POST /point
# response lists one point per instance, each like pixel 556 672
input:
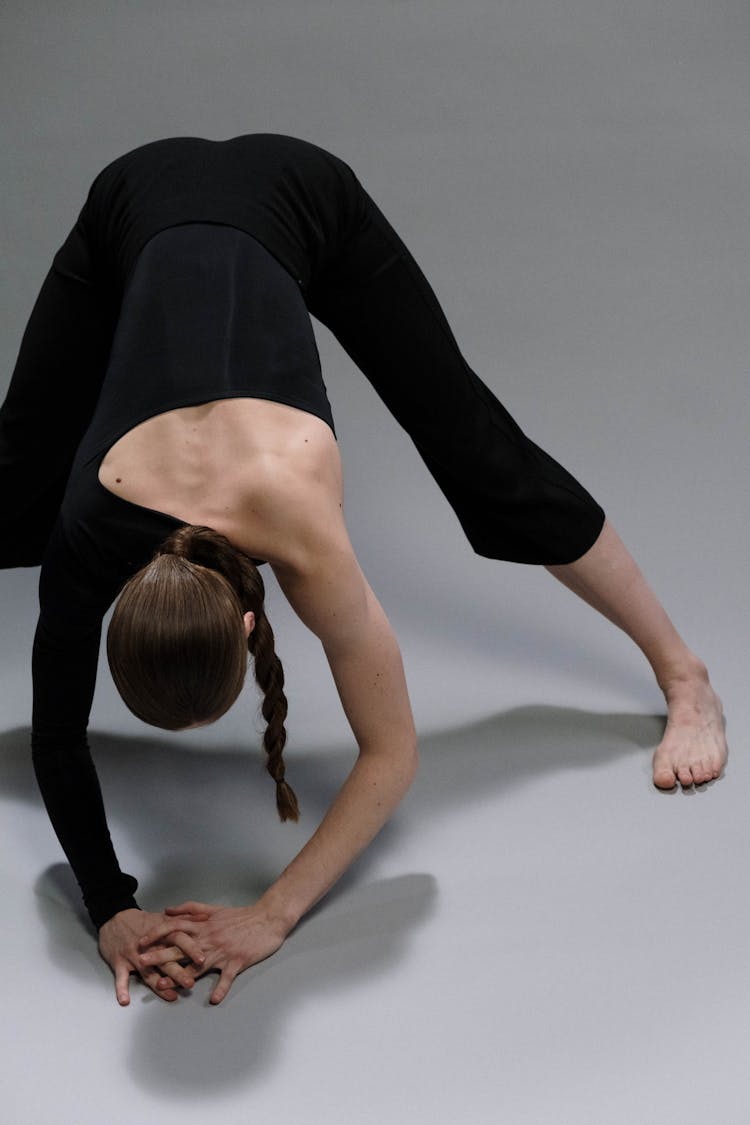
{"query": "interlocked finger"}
pixel 172 955
pixel 187 947
pixel 185 927
pixel 167 962
pixel 171 974
pixel 159 984
pixel 174 952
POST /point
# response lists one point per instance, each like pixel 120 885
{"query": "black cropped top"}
pixel 208 314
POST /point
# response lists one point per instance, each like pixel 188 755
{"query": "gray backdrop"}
pixel 538 936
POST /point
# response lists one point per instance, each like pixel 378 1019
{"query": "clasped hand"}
pixel 185 942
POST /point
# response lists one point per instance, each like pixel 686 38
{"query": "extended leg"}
pixel 694 748
pixel 52 395
pixel 513 500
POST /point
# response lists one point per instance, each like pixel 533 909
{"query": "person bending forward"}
pixel 167 432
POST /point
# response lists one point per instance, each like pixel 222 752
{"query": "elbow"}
pixel 411 763
pixel 396 762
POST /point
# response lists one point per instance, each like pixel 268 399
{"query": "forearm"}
pixel 70 790
pixel 368 798
pixel 64 675
pixel 333 599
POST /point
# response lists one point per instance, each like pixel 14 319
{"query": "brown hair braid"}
pixel 177 648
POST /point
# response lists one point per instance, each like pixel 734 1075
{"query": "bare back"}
pixel 246 467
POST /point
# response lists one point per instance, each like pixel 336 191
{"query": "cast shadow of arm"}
pixel 204 821
pixel 358 932
pixel 191 1050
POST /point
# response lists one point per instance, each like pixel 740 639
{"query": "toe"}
pixel 700 772
pixel 719 758
pixel 664 776
pixel 685 776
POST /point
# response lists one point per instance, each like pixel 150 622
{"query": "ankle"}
pixel 678 673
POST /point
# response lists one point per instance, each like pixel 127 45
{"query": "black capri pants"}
pixel 514 502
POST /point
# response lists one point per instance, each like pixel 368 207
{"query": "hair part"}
pixel 177 647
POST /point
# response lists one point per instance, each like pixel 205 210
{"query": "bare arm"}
pixel 334 599
pixel 330 594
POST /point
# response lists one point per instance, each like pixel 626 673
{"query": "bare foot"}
pixel 694 749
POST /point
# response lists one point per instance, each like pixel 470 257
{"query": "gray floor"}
pixel 539 936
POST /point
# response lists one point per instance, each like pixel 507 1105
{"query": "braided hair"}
pixel 177 648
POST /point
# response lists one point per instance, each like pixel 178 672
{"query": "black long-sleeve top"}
pixel 157 299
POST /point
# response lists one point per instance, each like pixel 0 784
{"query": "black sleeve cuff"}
pixel 104 904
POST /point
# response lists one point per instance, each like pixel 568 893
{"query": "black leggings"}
pixel 512 499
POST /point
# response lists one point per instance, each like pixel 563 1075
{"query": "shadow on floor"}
pixel 153 776
pixel 202 823
pixel 360 935
pixel 193 817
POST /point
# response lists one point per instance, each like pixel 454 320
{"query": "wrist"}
pixel 104 902
pixel 281 913
pixel 119 914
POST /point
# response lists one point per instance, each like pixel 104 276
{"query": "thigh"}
pixel 513 499
pixel 52 394
pixel 379 305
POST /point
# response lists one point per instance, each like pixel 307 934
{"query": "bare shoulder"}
pixel 289 498
pixel 292 515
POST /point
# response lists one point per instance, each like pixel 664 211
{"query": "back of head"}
pixel 177 646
